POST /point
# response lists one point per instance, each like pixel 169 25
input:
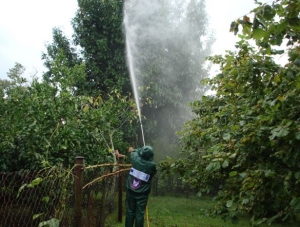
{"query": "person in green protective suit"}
pixel 139 185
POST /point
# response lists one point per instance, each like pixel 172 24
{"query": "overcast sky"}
pixel 26 26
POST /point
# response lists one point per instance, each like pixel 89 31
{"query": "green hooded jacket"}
pixel 142 171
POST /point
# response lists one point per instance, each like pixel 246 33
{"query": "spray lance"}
pixel 146 214
pixel 142 130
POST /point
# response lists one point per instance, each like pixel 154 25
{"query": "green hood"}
pixel 146 152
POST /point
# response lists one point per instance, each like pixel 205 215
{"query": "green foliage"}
pixel 15 74
pixel 44 187
pixel 98 42
pixel 271 25
pixel 93 62
pixel 15 80
pixel 50 223
pixel 45 124
pixel 98 32
pixel 244 142
pixel 60 51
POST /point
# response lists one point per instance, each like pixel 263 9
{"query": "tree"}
pixel 100 68
pixel 244 141
pixel 46 124
pixel 98 32
pixel 62 52
pixel 60 44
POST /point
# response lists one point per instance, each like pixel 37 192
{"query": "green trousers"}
pixel 135 209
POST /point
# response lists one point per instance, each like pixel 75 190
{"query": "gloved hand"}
pixel 130 149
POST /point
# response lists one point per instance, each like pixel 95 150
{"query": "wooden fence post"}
pixel 78 191
pixel 120 201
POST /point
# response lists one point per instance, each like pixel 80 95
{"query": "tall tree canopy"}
pixel 93 62
pixel 98 31
pixel 244 141
pixel 61 46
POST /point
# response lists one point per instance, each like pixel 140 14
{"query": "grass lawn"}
pixel 185 212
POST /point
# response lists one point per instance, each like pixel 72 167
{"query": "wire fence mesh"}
pixel 47 197
pixel 100 189
pixel 30 197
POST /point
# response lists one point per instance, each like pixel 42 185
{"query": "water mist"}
pixel 130 62
pixel 166 45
